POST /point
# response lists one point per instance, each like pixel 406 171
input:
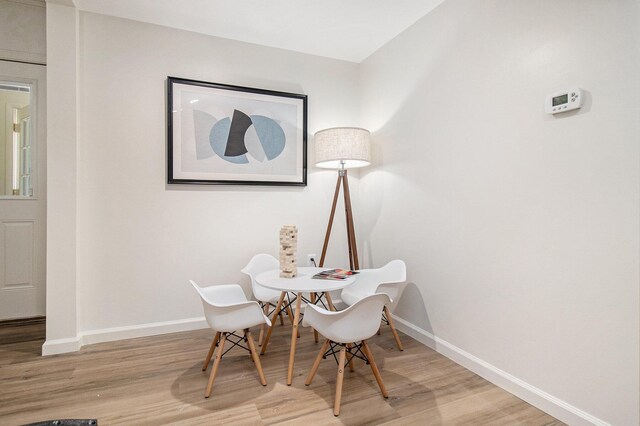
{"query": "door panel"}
pixel 18 255
pixel 23 215
pixel 17 290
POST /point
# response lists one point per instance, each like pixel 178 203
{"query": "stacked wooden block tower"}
pixel 288 249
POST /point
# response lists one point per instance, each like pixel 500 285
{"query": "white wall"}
pixel 520 229
pixel 140 240
pixel 23 30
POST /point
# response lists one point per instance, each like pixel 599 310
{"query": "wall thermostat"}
pixel 564 101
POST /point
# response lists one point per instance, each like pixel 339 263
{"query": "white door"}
pixel 22 190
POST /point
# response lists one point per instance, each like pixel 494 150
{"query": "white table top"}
pixel 302 282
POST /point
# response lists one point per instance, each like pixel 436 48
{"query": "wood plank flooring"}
pixel 159 380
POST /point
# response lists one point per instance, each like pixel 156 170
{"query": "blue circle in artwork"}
pixel 270 134
pixel 218 139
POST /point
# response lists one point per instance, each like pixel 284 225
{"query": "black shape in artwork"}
pixel 235 142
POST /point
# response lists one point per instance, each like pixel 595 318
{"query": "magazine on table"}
pixel 334 274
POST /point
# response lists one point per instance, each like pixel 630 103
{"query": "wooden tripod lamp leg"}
pixel 351 232
pixel 330 224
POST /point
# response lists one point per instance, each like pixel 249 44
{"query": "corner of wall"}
pixel 62 320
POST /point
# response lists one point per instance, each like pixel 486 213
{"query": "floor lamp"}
pixel 342 148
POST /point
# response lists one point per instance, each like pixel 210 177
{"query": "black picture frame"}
pixel 221 134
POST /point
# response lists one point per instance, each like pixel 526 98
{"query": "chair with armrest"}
pixel 227 310
pixel 347 330
pixel 389 279
pixel 265 296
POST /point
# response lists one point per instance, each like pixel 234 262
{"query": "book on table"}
pixel 334 274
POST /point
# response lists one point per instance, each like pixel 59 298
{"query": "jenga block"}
pixel 288 249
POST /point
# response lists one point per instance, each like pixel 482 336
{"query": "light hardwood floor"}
pixel 159 380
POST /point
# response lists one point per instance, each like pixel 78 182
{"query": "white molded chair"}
pixel 265 296
pixel 227 310
pixel 390 280
pixel 348 329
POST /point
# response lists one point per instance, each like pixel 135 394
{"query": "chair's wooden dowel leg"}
pixel 261 335
pixel 216 364
pixel 329 301
pixel 273 323
pixel 374 368
pixel 263 327
pixel 281 319
pixel 256 358
pixel 290 314
pixel 316 363
pixel 393 328
pixel 339 380
pixel 349 346
pixel 315 332
pixel 211 349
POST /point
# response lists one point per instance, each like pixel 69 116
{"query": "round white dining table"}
pixel 303 282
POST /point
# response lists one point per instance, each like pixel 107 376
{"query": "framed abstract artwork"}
pixel 220 134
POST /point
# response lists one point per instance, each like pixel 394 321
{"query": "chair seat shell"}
pixel 260 263
pixel 358 322
pixel 227 309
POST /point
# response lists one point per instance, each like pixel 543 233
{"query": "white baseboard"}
pixel 59 346
pixel 143 330
pixel 534 396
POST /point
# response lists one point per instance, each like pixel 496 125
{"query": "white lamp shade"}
pixel 342 145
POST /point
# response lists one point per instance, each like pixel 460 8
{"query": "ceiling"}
pixel 350 30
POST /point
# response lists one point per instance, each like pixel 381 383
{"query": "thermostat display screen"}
pixel 559 100
pixel 563 101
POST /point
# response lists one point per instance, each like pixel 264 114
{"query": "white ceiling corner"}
pixel 71 3
pixel 349 30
